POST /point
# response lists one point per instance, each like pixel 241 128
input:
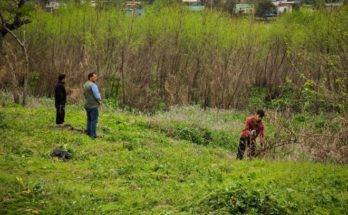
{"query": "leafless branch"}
pixel 21 43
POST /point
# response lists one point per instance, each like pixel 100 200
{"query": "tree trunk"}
pixel 25 87
pixel 122 77
pixel 26 76
pixel 14 81
pixel 2 53
pixel 27 71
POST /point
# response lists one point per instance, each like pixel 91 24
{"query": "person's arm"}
pixel 246 130
pixel 96 93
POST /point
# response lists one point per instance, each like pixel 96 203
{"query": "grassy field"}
pixel 155 164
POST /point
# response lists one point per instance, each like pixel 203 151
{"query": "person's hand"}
pixel 253 133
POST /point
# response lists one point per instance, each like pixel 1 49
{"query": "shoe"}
pixel 95 137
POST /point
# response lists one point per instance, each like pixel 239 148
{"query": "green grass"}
pixel 139 168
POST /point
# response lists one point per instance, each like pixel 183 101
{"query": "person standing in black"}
pixel 60 99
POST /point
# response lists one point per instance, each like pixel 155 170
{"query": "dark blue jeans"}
pixel 92 120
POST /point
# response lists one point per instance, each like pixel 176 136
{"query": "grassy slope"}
pixel 135 169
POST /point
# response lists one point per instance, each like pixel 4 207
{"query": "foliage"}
pixel 265 8
pixel 136 169
pixel 252 194
pixel 15 11
pixel 246 197
pixel 211 127
pixel 172 56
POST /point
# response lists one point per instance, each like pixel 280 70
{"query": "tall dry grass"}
pixel 172 56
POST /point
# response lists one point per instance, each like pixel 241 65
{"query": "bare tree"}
pixel 14 19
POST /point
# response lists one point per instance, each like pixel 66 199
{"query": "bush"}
pixel 197 134
pixel 241 198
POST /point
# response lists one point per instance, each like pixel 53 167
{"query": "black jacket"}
pixel 59 94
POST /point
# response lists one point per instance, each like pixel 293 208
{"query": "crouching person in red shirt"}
pixel 252 129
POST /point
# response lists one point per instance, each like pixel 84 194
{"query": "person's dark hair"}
pixel 90 75
pixel 61 77
pixel 260 112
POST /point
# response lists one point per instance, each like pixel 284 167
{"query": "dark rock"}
pixel 61 153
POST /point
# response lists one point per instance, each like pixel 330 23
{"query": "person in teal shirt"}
pixel 92 103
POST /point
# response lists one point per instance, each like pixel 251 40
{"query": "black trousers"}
pixel 243 143
pixel 60 114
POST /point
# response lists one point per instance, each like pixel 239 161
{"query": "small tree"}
pixel 230 5
pixel 13 15
pixel 265 8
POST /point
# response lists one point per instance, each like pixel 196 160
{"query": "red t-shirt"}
pixel 252 124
